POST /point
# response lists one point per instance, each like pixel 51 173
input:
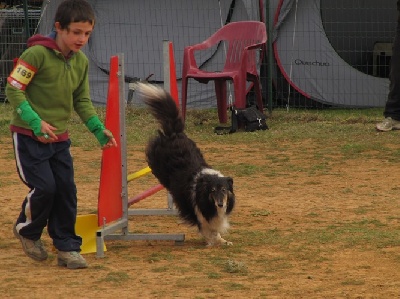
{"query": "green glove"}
pixel 27 114
pixel 95 126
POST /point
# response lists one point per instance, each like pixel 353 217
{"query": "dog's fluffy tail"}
pixel 162 107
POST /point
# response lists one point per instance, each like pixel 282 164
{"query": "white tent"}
pixel 323 48
pixel 307 36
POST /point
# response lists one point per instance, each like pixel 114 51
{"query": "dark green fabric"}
pixel 27 114
pixel 95 126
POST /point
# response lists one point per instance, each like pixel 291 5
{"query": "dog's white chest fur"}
pixel 213 228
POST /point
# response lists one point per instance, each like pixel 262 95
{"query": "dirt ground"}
pixel 292 230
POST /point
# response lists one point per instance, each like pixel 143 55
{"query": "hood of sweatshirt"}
pixel 48 41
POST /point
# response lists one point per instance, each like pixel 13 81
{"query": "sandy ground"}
pixel 301 229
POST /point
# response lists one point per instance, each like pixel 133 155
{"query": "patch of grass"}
pixel 312 215
pixel 160 256
pixel 232 266
pixel 368 233
pixel 244 169
pixel 214 275
pixel 352 282
pixel 234 286
pixel 160 269
pixel 361 210
pixel 117 277
pixel 260 213
pixel 354 148
pixel 274 263
pixel 99 267
pixel 197 266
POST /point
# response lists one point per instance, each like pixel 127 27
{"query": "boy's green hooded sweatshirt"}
pixel 56 85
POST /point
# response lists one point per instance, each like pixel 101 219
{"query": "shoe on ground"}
pixel 71 260
pixel 388 124
pixel 34 249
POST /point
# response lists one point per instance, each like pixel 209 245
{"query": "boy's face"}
pixel 74 37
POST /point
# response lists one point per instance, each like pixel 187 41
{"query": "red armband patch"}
pixel 21 75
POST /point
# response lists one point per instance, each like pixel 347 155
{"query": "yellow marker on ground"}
pixel 86 227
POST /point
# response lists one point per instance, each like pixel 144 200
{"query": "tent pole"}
pixel 26 15
pixel 269 54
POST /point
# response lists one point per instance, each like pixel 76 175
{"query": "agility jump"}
pixel 113 202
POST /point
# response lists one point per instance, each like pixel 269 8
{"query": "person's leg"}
pixel 62 219
pixel 32 160
pixel 392 107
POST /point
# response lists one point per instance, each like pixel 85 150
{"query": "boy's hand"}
pixel 111 140
pixel 48 134
pixel 104 136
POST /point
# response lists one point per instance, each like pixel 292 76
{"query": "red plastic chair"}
pixel 242 39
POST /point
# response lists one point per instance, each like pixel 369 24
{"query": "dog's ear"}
pixel 231 195
pixel 202 180
pixel 230 183
pixel 231 202
pixel 202 184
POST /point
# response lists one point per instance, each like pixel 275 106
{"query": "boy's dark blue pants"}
pixel 47 169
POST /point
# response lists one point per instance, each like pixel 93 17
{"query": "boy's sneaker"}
pixel 388 124
pixel 71 260
pixel 34 249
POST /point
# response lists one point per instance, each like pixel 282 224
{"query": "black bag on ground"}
pixel 249 119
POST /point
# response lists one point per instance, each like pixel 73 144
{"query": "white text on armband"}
pixel 21 75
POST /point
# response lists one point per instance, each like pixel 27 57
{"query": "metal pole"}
pixel 122 146
pixel 167 77
pixel 26 15
pixel 270 55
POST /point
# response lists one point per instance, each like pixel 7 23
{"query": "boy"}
pixel 49 81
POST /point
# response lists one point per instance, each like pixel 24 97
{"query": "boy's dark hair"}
pixel 70 11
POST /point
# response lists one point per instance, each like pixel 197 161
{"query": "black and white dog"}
pixel 202 195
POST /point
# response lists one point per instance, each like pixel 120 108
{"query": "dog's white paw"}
pixel 225 242
pixel 222 242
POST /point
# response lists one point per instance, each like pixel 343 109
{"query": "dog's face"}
pixel 221 191
pixel 216 191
